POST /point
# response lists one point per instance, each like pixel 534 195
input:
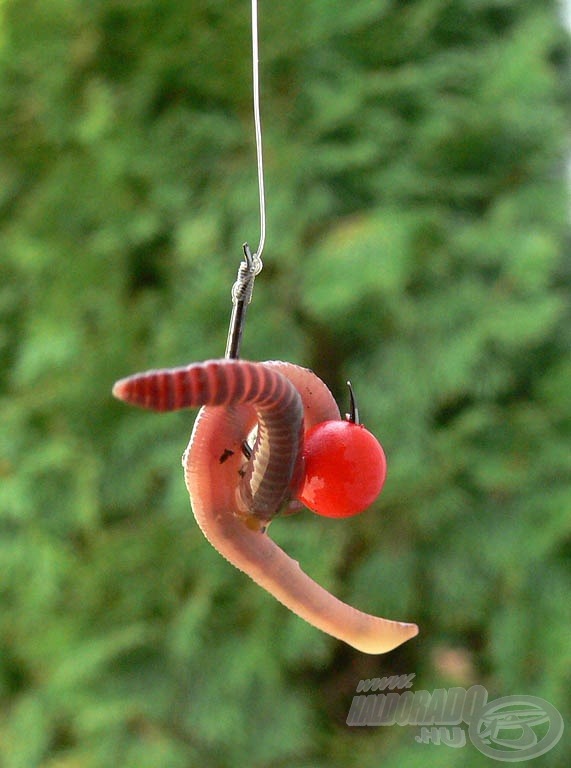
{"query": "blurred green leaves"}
pixel 418 243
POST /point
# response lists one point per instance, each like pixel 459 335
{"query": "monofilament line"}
pixel 258 128
pixel 252 264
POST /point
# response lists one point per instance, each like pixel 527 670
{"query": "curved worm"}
pixel 233 500
pixel 267 477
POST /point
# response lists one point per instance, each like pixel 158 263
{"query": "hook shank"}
pixel 241 297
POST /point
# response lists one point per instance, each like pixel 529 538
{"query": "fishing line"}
pixel 258 129
pixel 252 264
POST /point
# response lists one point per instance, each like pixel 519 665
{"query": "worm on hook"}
pixel 233 498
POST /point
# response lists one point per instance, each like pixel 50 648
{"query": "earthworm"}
pixel 234 498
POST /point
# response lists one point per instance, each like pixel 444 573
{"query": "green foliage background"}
pixel 417 242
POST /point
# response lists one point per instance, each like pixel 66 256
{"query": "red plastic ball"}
pixel 344 469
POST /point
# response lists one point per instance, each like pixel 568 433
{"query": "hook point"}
pixel 353 415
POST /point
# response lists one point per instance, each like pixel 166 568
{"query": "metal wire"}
pixel 241 297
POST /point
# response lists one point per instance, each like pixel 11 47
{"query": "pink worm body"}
pixel 233 500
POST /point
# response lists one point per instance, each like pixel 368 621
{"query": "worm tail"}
pixel 213 503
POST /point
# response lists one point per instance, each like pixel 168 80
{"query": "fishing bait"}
pixel 237 486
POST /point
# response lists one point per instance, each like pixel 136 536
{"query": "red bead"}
pixel 345 469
